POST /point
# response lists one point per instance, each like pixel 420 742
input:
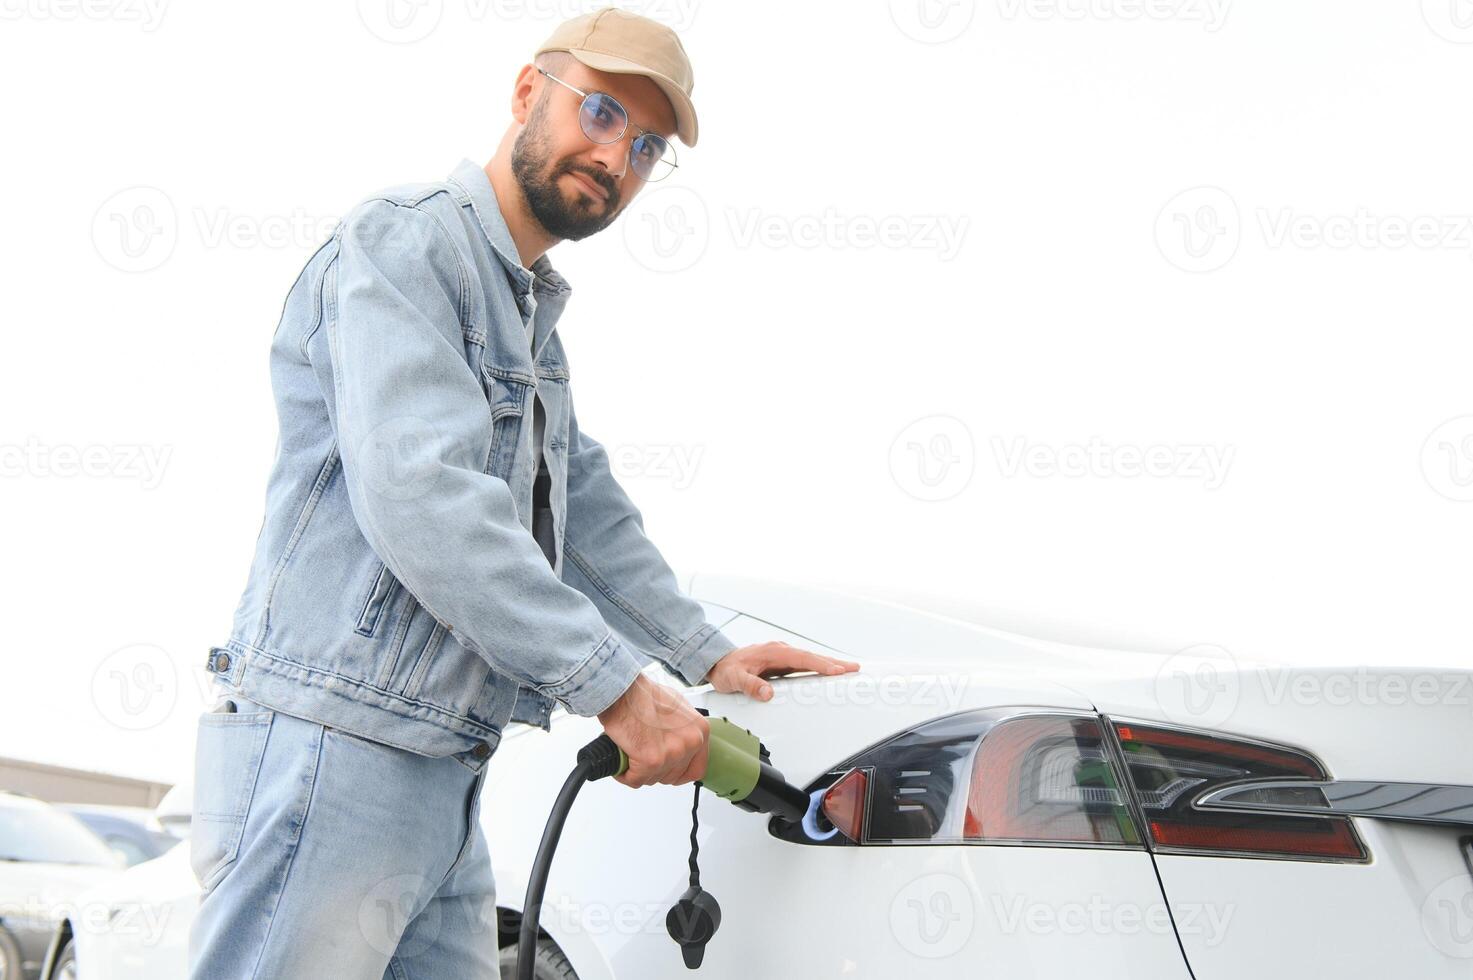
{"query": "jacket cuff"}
pixel 694 658
pixel 599 681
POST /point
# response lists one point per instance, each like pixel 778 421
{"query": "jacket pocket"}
pixel 227 758
pixel 380 592
pixel 507 398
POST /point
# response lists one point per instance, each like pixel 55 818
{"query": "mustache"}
pixel 600 179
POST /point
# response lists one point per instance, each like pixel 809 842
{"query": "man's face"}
pixel 574 186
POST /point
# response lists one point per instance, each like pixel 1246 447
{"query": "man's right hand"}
pixel 665 739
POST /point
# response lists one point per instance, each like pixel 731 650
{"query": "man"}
pixel 444 550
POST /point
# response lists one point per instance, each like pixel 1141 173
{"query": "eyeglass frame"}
pixel 628 121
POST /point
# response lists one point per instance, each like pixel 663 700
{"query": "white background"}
pixel 1176 228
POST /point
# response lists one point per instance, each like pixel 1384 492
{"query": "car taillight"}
pixel 1024 775
pixel 1047 778
pixel 997 775
pixel 843 805
pixel 1169 769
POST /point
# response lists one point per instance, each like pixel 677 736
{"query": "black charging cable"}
pixel 596 760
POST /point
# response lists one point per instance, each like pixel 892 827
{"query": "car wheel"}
pixel 66 963
pixel 550 963
pixel 9 957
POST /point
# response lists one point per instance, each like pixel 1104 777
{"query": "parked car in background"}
pixel 47 859
pixel 134 832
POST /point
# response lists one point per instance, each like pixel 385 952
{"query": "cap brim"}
pixel 685 112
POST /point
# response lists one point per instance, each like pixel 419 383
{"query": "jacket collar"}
pixel 471 178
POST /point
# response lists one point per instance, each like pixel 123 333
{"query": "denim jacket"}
pixel 396 589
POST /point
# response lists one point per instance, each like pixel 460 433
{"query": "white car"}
pixel 987 805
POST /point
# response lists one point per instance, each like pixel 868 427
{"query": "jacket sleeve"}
pixel 414 433
pixel 608 557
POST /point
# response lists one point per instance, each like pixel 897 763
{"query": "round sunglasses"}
pixel 604 120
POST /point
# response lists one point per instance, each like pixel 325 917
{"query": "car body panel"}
pixel 934 911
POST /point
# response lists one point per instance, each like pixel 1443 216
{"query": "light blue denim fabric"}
pixel 396 590
pixel 322 854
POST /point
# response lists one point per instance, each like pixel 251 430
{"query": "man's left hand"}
pixel 745 668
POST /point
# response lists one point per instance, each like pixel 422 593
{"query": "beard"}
pixel 531 165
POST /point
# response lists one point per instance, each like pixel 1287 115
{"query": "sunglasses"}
pixel 604 120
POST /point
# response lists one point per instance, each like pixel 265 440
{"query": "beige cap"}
pixel 614 40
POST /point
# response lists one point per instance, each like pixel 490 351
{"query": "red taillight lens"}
pixel 1170 769
pixel 1047 778
pixel 843 804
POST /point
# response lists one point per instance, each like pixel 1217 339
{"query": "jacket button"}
pixel 222 662
pixel 481 750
